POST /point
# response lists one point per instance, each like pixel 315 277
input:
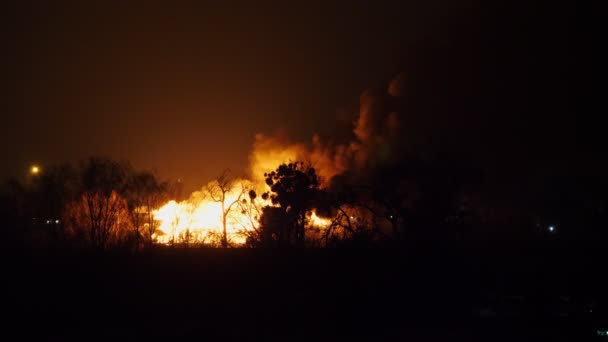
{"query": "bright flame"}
pixel 200 220
pixel 319 221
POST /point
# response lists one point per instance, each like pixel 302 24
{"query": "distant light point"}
pixel 35 169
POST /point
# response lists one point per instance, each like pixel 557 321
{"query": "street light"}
pixel 35 169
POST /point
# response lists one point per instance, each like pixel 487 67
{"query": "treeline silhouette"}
pixel 102 204
pixel 438 282
pixel 97 204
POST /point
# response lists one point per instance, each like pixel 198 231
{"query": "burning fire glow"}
pixel 199 219
pixel 319 221
pixel 376 135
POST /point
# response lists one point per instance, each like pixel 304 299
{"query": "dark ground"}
pixel 421 293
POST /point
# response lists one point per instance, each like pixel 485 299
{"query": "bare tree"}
pixel 100 215
pixel 152 201
pixel 144 194
pixel 98 219
pixel 226 191
pixel 252 211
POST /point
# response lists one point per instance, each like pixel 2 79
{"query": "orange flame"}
pixel 319 222
pixel 199 219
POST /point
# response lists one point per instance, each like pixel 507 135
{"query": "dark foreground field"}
pixel 419 293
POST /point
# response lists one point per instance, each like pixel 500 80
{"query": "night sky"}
pixel 183 88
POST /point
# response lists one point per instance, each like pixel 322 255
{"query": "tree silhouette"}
pixel 99 220
pixel 14 210
pixel 144 194
pixel 274 228
pixel 49 193
pixel 105 175
pixel 294 188
pixel 100 214
pixel 226 191
pixel 252 210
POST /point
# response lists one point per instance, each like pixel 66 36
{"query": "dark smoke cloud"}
pixel 377 139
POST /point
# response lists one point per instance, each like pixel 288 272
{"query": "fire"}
pixel 319 221
pixel 376 130
pixel 200 220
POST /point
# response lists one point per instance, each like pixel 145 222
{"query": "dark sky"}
pixel 182 88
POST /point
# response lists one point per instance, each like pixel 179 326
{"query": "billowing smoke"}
pixel 376 139
pixel 269 152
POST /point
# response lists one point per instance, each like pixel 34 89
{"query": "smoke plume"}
pixel 376 139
